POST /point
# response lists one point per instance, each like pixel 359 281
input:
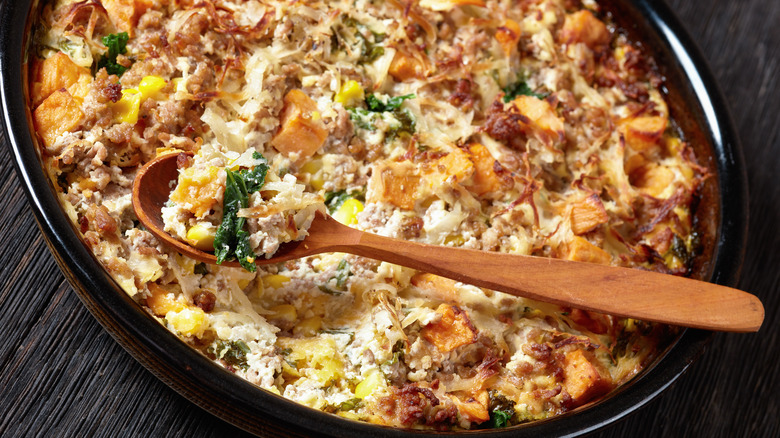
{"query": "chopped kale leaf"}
pixel 342 273
pixel 232 352
pixel 333 200
pixel 376 104
pixel 329 291
pixel 231 240
pixel 519 88
pixel 116 45
pixel 501 409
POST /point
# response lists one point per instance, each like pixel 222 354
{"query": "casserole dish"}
pixel 104 303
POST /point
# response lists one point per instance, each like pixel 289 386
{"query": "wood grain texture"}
pixel 62 375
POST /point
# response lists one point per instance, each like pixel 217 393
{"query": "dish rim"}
pixel 243 404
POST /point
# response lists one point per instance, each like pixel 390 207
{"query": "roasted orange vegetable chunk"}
pixel 580 250
pixel 583 27
pixel 451 331
pixel 485 179
pixel 302 132
pixel 161 301
pixel 474 409
pixel 58 114
pixel 58 72
pixel 124 13
pixel 454 167
pixel 584 379
pixel 587 214
pixel 199 188
pixel 405 67
pixel 542 114
pixel 395 183
pixel 508 36
pixel 643 133
pixel 440 287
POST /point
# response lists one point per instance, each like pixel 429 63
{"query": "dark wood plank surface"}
pixel 62 375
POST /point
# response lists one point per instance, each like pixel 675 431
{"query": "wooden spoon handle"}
pixel 643 295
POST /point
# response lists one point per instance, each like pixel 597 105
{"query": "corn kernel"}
pixel 348 211
pixel 312 166
pixel 308 327
pixel 284 312
pixel 275 281
pixel 454 240
pixel 350 94
pixel 150 86
pixel 201 237
pixel 126 109
pixel 190 321
pixel 374 381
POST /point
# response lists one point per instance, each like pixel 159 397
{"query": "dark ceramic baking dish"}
pixel 695 104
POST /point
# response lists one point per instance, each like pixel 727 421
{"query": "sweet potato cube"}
pixel 643 133
pixel 587 214
pixel 436 286
pixel 583 27
pixel 508 36
pixel 58 114
pixel 580 250
pixel 160 301
pixel 454 167
pixel 451 331
pixel 653 180
pixel 473 409
pixel 58 72
pixel 405 67
pixel 197 189
pixel 395 183
pixel 302 132
pixel 486 178
pixel 584 379
pixel 542 114
pixel 124 13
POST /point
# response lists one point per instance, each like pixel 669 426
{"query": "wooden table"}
pixel 62 375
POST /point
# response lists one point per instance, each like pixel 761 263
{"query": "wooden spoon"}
pixel 643 295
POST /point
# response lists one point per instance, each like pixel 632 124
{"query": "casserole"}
pixel 705 203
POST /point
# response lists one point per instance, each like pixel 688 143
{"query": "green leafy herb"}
pixel 499 418
pixel 231 240
pixel 333 200
pixel 398 353
pixel 232 352
pixel 201 268
pixel 519 88
pixel 362 118
pixel 376 104
pixel 352 31
pixel 329 291
pixel 501 409
pixel 117 45
pixel 407 124
pixel 680 250
pixel 340 331
pixel 342 273
pixel 350 404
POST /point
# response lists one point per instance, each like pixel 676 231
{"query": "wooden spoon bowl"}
pixel 634 293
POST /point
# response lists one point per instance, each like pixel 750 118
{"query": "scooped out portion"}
pixel 240 208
